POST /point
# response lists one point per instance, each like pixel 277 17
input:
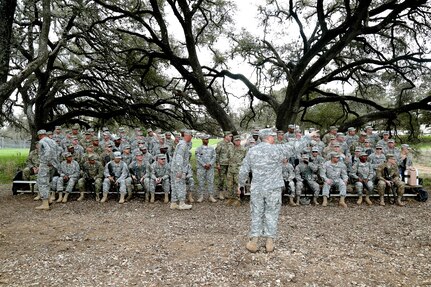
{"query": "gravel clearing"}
pixel 142 244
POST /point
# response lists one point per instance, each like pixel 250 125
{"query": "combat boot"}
pixel 342 203
pixel 52 197
pixel 37 197
pixel 315 202
pixel 200 199
pixel 183 206
pixel 66 195
pixel 367 200
pixel 97 197
pixel 129 195
pixel 212 199
pixel 147 196
pixel 173 205
pixel 291 202
pixel 252 245
pixel 269 244
pixel 382 200
pixel 236 202
pixel 166 200
pixel 104 198
pixel 44 206
pixel 221 195
pixel 297 200
pixel 325 201
pixel 122 195
pixel 190 197
pixel 60 197
pixel 152 197
pixel 359 202
pixel 81 197
pixel 399 202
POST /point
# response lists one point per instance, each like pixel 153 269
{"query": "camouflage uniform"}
pixel 31 163
pixel 47 158
pixel 222 159
pixel 236 154
pixel 91 173
pixel 120 173
pixel 139 176
pixel 306 173
pixel 288 176
pixel 205 155
pixel 363 171
pixel 179 167
pixel 337 173
pixel 71 170
pixel 392 175
pixel 376 160
pixel 155 171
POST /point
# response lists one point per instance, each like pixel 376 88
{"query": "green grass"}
pixel 11 160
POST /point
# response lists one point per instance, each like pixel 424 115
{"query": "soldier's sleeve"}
pixel 151 171
pixel 344 172
pixel 106 171
pixel 178 160
pixel 62 169
pixel 323 172
pixel 354 173
pixel 217 151
pixel 76 169
pixel 244 170
pixel 314 166
pixel 370 172
pixel 298 176
pixel 291 172
pixel 199 159
pixel 124 171
pixel 99 170
pixel 379 172
pixel 168 171
pixel 213 157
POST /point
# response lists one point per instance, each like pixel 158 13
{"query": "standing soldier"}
pixel 47 159
pixel 388 176
pixel 205 160
pixel 222 161
pixel 92 174
pixel 265 162
pixel 115 173
pixel 159 175
pixel 306 174
pixel 334 173
pixel 280 137
pixel 179 167
pixel 363 176
pixel 69 174
pixel 235 155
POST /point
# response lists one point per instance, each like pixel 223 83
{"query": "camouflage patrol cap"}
pixel 340 134
pixel 116 137
pixel 127 147
pixel 163 147
pixel 363 154
pixel 67 154
pixel 74 138
pixel 161 156
pixel 389 156
pixel 385 133
pixel 331 128
pixel 75 127
pixel 57 127
pixel 252 140
pixel 90 130
pixel 87 132
pixel 315 149
pixel 291 126
pixel 368 127
pixel 205 137
pixel 138 153
pixel 336 145
pixel 334 154
pixel 263 133
pixel 149 130
pixel 49 132
pixel 188 132
pixel 138 129
pixel 363 134
pixel 105 129
pixel 70 145
pixel 41 132
pixel 305 156
pixel 405 146
pixel 366 141
pixel 332 137
pixel 350 129
pixel 358 148
pixel 117 154
pixel 95 138
pixel 67 131
pixel 391 141
pixel 227 133
pixel 237 138
pixel 121 129
pixel 280 132
pixel 92 157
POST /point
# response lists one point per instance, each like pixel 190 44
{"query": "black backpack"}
pixel 421 195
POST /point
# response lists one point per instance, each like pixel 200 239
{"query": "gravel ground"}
pixel 138 244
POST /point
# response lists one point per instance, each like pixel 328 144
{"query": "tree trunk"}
pixel 7 12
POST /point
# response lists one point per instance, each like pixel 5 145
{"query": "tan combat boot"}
pixel 325 201
pixel 221 195
pixel 66 195
pixel 152 197
pixel 399 201
pixel 269 244
pixel 97 197
pixel 359 202
pixel 382 200
pixel 60 197
pixel 212 199
pixel 122 195
pixel 315 202
pixel 52 197
pixel 297 200
pixel 291 202
pixel 37 197
pixel 184 206
pixel 236 202
pixel 367 200
pixel 342 203
pixel 190 197
pixel 129 195
pixel 166 200
pixel 81 196
pixel 44 206
pixel 252 245
pixel 104 198
pixel 173 205
pixel 147 196
pixel 200 199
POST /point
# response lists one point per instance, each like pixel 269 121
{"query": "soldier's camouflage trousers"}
pixel 264 208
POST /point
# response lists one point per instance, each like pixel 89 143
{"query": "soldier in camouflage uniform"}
pixel 334 173
pixel 235 155
pixel 69 175
pixel 388 176
pixel 363 176
pixel 222 162
pixel 92 173
pixel 159 176
pixel 288 172
pixel 265 162
pixel 179 167
pixel 331 133
pixel 116 172
pixel 205 161
pixel 87 140
pixel 351 136
pixel 280 137
pixel 32 164
pixel 306 174
pixel 377 158
pixel 139 176
pixel 47 159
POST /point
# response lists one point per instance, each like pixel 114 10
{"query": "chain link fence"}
pixel 11 143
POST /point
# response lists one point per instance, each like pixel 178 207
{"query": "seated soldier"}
pixel 289 183
pixel 32 163
pixel 92 173
pixel 159 174
pixel 69 174
pixel 115 173
pixel 306 174
pixel 388 177
pixel 362 176
pixel 139 178
pixel 334 173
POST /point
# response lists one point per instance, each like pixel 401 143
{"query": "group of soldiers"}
pixel 161 161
